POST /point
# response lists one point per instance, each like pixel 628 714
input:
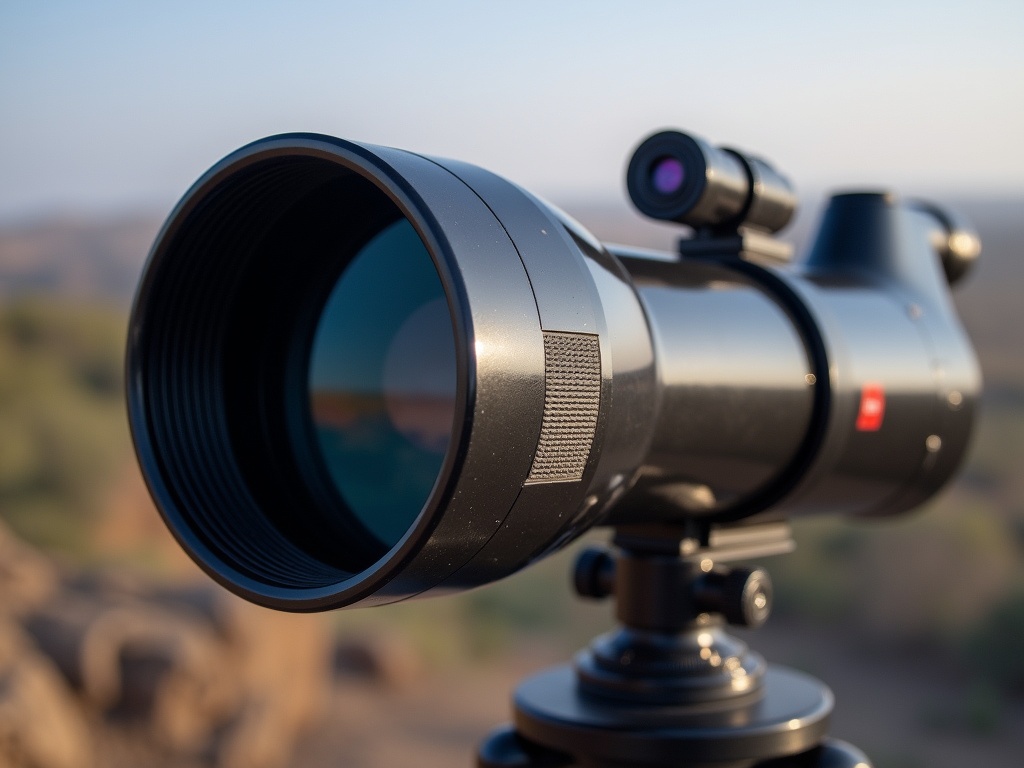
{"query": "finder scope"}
pixel 682 178
pixel 357 374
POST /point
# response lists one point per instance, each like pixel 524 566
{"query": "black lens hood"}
pixel 220 336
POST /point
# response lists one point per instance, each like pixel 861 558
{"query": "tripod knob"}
pixel 742 595
pixel 748 597
pixel 594 573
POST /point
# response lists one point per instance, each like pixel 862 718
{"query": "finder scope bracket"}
pixel 745 244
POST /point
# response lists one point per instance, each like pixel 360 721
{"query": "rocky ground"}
pixel 113 671
pixel 110 670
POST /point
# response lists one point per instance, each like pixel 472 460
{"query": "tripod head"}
pixel 673 599
pixel 670 686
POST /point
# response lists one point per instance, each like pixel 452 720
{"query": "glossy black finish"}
pixel 791 718
pixel 505 748
pixel 578 288
pixel 736 403
pixel 222 331
pixel 764 372
pixel 592 386
pixel 877 290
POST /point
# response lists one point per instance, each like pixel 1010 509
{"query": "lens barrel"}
pixel 289 432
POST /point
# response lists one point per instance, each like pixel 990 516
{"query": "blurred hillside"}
pixel 945 585
pixel 100 260
pixel 75 257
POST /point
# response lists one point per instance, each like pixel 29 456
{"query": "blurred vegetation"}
pixel 63 432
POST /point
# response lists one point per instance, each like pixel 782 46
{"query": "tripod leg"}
pixel 831 753
pixel 505 748
pixel 840 754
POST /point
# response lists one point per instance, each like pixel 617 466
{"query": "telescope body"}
pixel 846 378
pixel 357 374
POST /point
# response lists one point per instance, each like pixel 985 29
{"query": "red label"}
pixel 872 408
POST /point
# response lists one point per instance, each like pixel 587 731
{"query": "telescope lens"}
pixel 667 175
pixel 382 381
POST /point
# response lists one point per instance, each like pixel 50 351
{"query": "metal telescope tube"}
pixel 358 375
pixel 843 382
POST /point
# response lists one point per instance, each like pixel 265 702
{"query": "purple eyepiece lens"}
pixel 667 175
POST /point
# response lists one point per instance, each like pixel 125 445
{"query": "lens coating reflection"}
pixel 667 175
pixel 382 381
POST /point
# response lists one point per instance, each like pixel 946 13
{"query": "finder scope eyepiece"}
pixel 357 374
pixel 682 178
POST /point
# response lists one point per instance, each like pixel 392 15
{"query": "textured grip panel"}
pixel 572 397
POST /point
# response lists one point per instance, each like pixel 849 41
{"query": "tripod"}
pixel 670 687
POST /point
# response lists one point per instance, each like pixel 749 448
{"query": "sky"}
pixel 118 106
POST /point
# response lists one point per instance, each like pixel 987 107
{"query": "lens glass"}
pixel 667 175
pixel 382 381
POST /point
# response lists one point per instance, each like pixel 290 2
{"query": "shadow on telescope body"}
pixel 357 374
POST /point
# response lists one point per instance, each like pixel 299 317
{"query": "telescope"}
pixel 358 375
